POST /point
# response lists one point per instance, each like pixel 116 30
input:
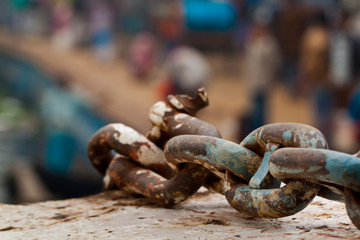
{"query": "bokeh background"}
pixel 69 67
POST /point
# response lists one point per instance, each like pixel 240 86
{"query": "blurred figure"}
pixel 101 30
pixel 58 110
pixel 17 10
pixel 314 62
pixel 314 71
pixel 168 20
pixel 340 51
pixel 142 54
pixel 263 61
pixel 341 55
pixel 18 128
pixel 80 23
pixel 290 24
pixel 62 16
pixel 354 112
pixel 187 71
pixel 354 32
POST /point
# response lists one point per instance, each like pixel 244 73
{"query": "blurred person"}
pixel 341 56
pixel 36 18
pixel 262 65
pixel 61 31
pixel 169 22
pixel 290 23
pixel 314 62
pixel 314 71
pixel 79 24
pixel 101 30
pixel 133 16
pixel 17 12
pixel 18 130
pixel 187 71
pixel 354 113
pixel 350 6
pixel 354 33
pixel 341 77
pixel 142 54
pixel 58 110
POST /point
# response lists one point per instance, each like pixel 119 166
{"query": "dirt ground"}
pixel 118 96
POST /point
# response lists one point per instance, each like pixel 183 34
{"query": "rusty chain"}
pixel 276 171
pixel 141 166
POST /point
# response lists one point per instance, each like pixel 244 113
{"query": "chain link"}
pixel 142 167
pixel 276 171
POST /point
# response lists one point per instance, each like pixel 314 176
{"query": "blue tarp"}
pixel 209 15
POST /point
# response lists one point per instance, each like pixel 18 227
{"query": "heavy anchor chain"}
pixel 294 154
pixel 140 165
pixel 250 187
pixel 276 171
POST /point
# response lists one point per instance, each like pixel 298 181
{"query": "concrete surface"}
pixel 113 215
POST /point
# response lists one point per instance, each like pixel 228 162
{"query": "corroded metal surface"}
pixel 285 134
pixel 176 117
pixel 261 196
pixel 338 172
pixel 142 167
pixel 249 174
pixel 322 166
pixel 127 142
pixel 218 155
pixel 270 203
pixel 242 161
pixel 352 201
pixel 159 189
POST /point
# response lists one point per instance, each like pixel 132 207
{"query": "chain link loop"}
pixel 142 167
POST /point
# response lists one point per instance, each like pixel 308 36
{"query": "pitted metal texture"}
pixel 276 171
pixel 142 167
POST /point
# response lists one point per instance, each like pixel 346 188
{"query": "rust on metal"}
pixel 352 201
pixel 172 117
pixel 142 167
pixel 127 142
pixel 274 202
pixel 166 192
pixel 181 153
pixel 269 203
pixel 286 135
pixel 321 166
pixel 216 154
pixel 262 178
pixel 337 173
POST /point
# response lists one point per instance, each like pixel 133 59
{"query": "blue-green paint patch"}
pixel 287 135
pixel 259 179
pixel 343 169
pixel 273 148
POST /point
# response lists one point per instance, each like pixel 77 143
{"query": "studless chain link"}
pixel 276 171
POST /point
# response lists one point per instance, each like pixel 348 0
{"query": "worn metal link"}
pixel 337 172
pixel 275 171
pixel 145 171
pixel 264 198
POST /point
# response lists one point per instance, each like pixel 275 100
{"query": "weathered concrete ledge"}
pixel 113 215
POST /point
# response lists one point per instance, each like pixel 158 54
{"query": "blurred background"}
pixel 69 67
